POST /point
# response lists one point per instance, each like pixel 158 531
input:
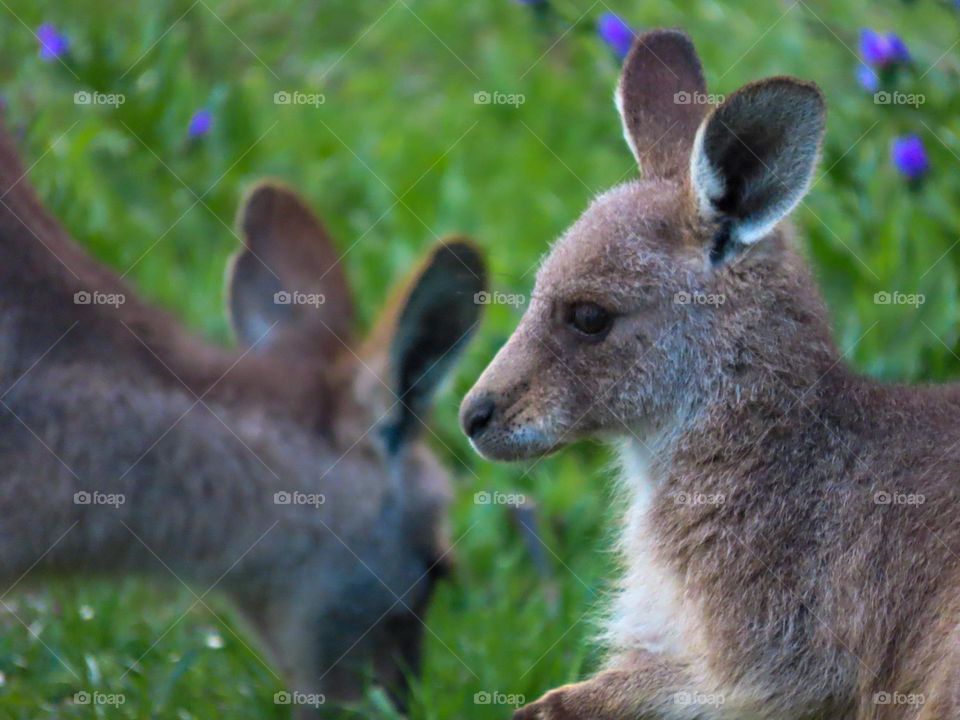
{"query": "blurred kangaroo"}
pixel 791 535
pixel 290 474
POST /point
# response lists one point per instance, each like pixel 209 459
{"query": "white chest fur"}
pixel 650 610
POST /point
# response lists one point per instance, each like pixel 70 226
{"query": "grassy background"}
pixel 399 154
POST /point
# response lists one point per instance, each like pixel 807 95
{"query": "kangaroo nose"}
pixel 477 416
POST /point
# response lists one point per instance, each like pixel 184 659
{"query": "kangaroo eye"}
pixel 589 318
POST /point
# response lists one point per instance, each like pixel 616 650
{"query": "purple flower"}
pixel 899 48
pixel 615 33
pixel 881 50
pixel 53 43
pixel 867 78
pixel 910 157
pixel 200 123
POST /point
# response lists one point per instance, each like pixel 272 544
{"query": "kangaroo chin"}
pixel 515 444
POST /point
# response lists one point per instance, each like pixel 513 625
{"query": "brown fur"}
pixel 762 576
pixel 198 439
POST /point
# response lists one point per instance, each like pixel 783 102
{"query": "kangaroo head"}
pixel 290 304
pixel 289 301
pixel 668 281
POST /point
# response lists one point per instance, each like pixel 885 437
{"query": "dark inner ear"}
pixel 738 156
pixel 438 317
pixel 754 159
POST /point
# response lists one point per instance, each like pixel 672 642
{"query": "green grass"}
pixel 397 155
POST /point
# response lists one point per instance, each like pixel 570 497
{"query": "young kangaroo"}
pixel 771 569
pixel 291 474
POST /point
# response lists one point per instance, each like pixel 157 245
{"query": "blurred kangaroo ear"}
pixel 425 330
pixel 662 99
pixel 286 284
pixel 754 156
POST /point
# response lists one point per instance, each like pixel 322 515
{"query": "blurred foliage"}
pixel 397 155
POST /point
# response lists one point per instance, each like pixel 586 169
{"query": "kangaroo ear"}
pixel 286 284
pixel 754 156
pixel 424 332
pixel 661 97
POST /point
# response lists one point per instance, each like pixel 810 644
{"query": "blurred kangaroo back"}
pixel 290 473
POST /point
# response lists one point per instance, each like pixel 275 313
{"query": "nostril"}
pixel 478 416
